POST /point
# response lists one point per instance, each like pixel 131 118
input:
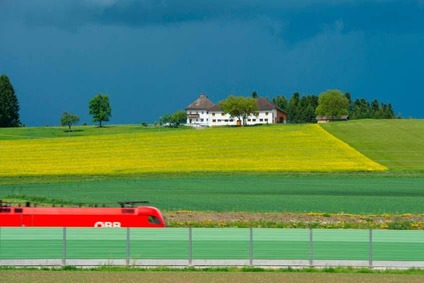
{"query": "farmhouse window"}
pixel 213 114
pixel 213 120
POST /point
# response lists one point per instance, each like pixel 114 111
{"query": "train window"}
pixel 154 220
pixel 127 210
pixel 18 210
pixel 4 209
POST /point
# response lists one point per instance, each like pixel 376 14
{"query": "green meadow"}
pixel 269 193
pixel 28 133
pixel 395 144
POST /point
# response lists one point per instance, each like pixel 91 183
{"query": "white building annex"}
pixel 203 112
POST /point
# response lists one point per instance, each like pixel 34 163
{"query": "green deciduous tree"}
pixel 174 119
pixel 178 118
pixel 165 119
pixel 9 104
pixel 239 107
pixel 332 103
pixel 100 108
pixel 69 120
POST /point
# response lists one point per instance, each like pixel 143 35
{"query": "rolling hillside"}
pixel 279 148
pixel 91 150
pixel 396 144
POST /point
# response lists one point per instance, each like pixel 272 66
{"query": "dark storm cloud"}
pixel 302 18
pixel 145 53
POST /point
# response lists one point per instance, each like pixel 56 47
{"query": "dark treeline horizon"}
pixel 302 108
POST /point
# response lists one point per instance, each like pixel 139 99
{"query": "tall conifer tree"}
pixel 9 104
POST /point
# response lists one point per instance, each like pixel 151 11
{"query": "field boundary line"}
pixel 384 168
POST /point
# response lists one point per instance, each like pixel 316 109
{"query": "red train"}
pixel 128 215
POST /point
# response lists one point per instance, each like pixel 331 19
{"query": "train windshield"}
pixel 154 220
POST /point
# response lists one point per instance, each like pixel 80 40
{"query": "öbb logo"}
pixel 106 224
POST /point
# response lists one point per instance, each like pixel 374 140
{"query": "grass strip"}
pixel 410 271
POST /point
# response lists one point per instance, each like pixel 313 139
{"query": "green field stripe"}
pixel 327 193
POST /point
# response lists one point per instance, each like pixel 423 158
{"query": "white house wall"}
pixel 217 118
pixel 203 119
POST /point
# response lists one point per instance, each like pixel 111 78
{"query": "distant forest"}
pixel 302 109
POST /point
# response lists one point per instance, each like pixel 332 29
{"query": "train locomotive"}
pixel 128 215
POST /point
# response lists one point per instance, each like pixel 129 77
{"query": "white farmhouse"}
pixel 203 112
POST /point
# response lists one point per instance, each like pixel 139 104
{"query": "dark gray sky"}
pixel 157 56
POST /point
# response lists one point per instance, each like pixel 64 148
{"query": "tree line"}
pixel 303 109
pixel 300 109
pixel 99 108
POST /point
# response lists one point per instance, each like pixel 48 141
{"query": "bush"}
pixel 399 225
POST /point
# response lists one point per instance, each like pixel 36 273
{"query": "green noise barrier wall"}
pixel 211 246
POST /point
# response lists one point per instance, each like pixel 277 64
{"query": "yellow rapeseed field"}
pixel 262 149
